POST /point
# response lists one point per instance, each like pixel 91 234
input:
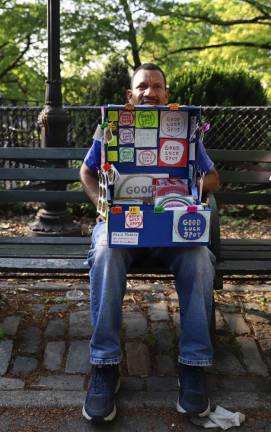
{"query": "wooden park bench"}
pixel 245 178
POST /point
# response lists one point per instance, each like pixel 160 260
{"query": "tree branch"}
pixel 265 10
pixel 17 60
pixel 221 45
pixel 132 33
pixel 261 19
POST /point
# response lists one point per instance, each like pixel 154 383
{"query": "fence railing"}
pixel 231 127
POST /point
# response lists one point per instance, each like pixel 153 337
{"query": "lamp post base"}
pixel 50 223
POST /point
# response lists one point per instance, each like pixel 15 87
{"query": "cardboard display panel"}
pixel 153 199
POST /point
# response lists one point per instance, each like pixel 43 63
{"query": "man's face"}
pixel 148 88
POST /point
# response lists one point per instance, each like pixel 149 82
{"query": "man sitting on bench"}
pixel 193 270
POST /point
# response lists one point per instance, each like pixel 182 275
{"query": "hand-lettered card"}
pixel 147 119
pixel 126 136
pixel 133 220
pixel 147 157
pixel 145 138
pixel 126 154
pixel 127 118
pixel 173 153
pixel 173 124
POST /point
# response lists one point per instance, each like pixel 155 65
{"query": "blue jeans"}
pixel 194 274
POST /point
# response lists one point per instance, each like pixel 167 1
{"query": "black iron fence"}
pixel 231 127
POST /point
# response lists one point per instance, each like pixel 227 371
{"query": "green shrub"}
pixel 225 86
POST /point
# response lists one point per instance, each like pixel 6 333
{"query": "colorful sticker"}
pixel 112 156
pixel 126 154
pixel 126 136
pixel 146 138
pixel 124 238
pixel 113 116
pixel 193 126
pixel 189 227
pixel 146 157
pixel 134 220
pixel 127 118
pixel 173 124
pixel 113 142
pixel 102 206
pixel 173 153
pixel 146 119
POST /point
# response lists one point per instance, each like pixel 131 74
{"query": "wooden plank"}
pixel 43 250
pixel 242 198
pixel 241 249
pixel 244 267
pixel 43 265
pixel 49 153
pixel 239 155
pixel 245 177
pixel 245 242
pixel 56 174
pixel 77 265
pixel 245 255
pixel 42 196
pixel 50 240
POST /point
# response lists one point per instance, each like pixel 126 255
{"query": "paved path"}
pixel 44 353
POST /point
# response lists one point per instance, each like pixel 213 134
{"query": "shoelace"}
pixel 101 380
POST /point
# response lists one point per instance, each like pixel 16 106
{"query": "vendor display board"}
pixel 148 177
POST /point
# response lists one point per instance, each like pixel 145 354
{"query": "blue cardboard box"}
pixel 148 181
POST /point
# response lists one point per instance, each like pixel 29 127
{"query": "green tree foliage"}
pixel 22 34
pixel 216 32
pixel 103 27
pixel 226 86
pixel 113 84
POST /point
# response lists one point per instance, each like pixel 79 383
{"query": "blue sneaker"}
pixel 193 397
pixel 100 404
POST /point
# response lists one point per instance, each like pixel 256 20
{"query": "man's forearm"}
pixel 89 181
pixel 211 181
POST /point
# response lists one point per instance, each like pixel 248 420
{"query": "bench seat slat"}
pixel 26 250
pixel 46 240
pixel 244 267
pixel 245 255
pixel 75 264
pixel 33 174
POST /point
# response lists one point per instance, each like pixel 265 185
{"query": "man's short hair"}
pixel 148 66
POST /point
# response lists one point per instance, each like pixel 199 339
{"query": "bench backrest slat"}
pixel 240 156
pixel 42 196
pixel 245 177
pixel 49 153
pixel 56 174
pixel 232 197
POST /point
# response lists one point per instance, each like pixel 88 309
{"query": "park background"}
pixel 215 53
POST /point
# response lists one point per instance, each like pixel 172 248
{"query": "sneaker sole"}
pixel 108 418
pixel 205 413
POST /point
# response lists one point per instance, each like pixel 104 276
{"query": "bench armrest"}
pixel 214 227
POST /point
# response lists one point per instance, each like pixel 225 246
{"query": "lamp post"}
pixel 54 218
